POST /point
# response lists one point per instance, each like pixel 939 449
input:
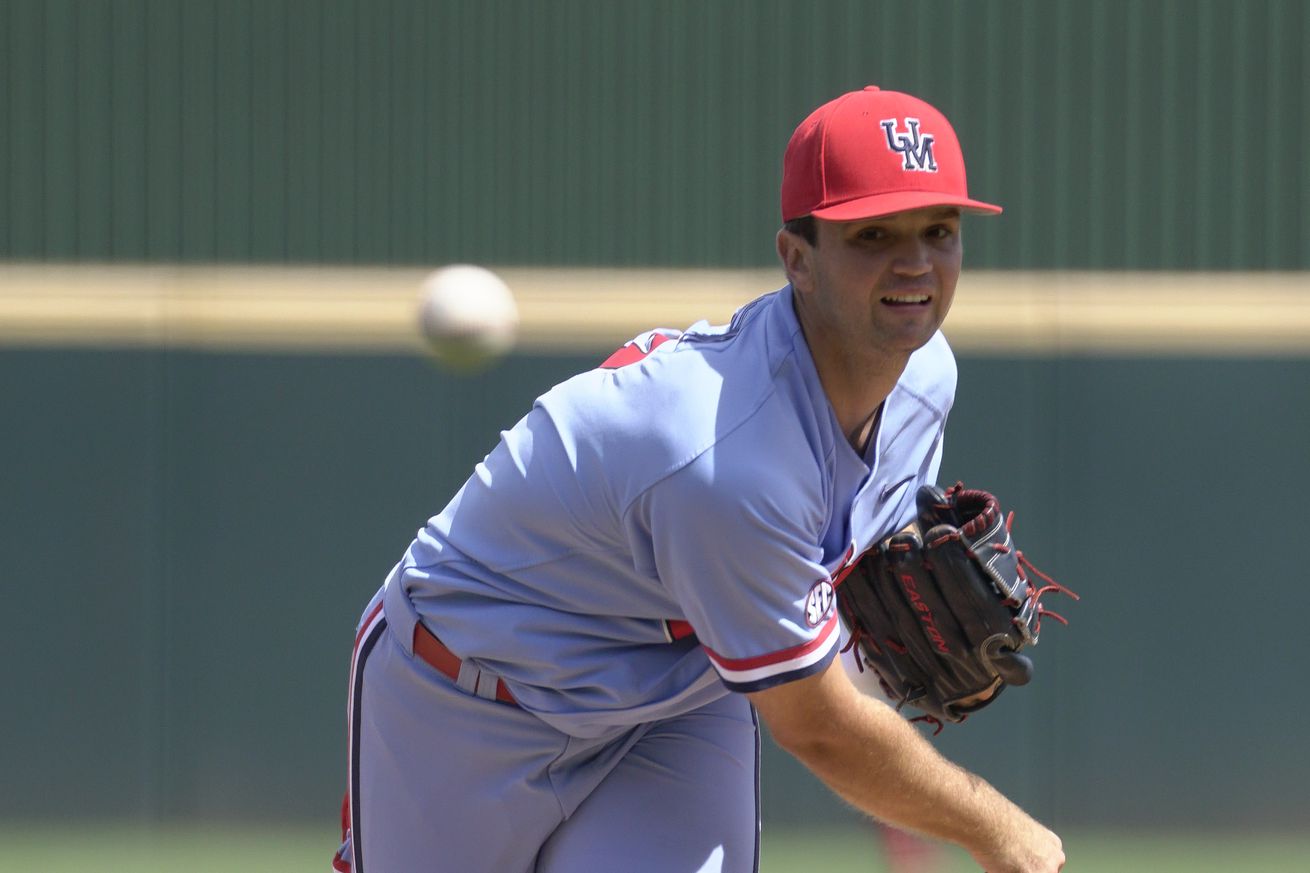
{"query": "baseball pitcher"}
pixel 567 668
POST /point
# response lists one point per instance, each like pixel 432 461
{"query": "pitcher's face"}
pixel 879 283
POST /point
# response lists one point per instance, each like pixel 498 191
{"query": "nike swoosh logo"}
pixel 896 486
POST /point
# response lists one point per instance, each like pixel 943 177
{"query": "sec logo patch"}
pixel 818 603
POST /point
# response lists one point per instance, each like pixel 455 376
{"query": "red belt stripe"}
pixel 435 653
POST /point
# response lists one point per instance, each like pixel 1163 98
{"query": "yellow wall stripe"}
pixel 334 309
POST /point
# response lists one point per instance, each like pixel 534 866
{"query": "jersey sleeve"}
pixel 736 545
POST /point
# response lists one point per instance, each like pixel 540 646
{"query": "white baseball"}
pixel 467 315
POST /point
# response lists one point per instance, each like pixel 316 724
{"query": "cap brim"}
pixel 881 205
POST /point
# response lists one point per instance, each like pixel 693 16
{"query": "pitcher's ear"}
pixel 794 252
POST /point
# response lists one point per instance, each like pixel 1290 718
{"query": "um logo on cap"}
pixel 915 148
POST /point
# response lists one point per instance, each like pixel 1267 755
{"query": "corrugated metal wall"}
pixel 1165 134
pixel 172 486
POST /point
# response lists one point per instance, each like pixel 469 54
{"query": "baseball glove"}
pixel 942 617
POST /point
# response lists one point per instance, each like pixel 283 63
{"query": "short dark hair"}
pixel 804 227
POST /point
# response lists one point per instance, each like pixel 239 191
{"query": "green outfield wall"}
pixel 187 539
pixel 192 515
pixel 1118 134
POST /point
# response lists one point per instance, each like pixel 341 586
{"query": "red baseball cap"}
pixel 871 153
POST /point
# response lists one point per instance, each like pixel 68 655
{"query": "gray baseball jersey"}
pixel 652 536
